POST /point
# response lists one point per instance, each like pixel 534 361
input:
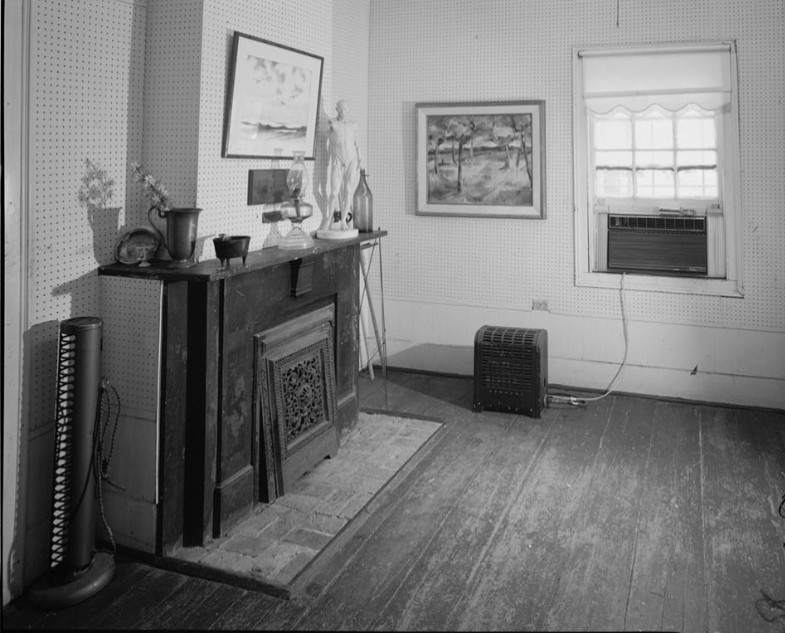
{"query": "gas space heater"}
pixel 510 370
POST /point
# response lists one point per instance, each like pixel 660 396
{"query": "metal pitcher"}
pixel 180 239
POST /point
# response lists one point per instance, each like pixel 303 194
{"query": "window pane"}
pixel 635 154
pixel 696 133
pixel 697 183
pixel 612 134
pixel 654 132
pixel 613 159
pixel 613 183
pixel 697 158
pixel 654 183
pixel 654 159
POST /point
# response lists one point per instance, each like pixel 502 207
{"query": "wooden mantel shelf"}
pixel 211 270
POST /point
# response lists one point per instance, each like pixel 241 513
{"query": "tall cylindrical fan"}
pixel 76 572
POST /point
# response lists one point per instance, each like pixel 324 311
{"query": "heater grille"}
pixel 510 370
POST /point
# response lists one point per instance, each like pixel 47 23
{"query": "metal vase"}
pixel 180 240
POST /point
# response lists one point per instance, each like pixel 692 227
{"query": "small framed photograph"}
pixel 481 159
pixel 272 103
pixel 267 186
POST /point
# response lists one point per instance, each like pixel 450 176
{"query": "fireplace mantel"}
pixel 210 316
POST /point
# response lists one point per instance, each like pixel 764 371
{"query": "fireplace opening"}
pixel 295 401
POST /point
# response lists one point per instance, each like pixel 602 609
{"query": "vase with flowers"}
pixel 181 223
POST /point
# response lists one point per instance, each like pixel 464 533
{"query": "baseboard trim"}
pixel 575 390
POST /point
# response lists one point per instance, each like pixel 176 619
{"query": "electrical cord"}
pixel 101 462
pixel 582 402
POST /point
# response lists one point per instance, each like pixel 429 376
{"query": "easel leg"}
pixel 379 346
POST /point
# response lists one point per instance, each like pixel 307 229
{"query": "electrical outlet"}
pixel 540 304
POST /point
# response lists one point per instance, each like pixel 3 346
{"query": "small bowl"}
pixel 228 246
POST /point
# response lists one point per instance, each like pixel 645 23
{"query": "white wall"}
pixel 445 277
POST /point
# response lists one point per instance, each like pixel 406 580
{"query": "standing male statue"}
pixel 344 167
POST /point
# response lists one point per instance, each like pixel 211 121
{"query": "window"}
pixel 656 138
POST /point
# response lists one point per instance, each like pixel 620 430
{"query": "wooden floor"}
pixel 630 513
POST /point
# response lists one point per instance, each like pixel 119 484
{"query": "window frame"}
pixel 586 220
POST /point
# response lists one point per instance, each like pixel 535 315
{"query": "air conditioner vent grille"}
pixel 656 223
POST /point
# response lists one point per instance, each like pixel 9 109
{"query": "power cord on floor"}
pixel 582 401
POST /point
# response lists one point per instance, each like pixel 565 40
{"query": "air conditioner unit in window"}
pixel 657 245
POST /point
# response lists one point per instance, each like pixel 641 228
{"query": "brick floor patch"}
pixel 356 504
pixel 247 545
pixel 231 561
pixel 314 488
pixel 294 567
pixel 335 502
pixel 298 501
pixel 277 541
pixel 308 538
pixel 255 524
pixel 326 523
pixel 276 559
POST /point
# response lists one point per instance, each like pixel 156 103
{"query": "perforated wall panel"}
pixel 171 97
pixel 305 25
pixel 86 81
pixel 499 50
pixel 132 327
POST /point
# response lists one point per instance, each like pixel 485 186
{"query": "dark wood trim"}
pixel 172 419
pixel 211 270
pixel 232 497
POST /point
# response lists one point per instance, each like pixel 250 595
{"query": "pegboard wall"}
pixel 223 182
pixel 114 82
pixel 506 50
pixel 86 86
pixel 132 332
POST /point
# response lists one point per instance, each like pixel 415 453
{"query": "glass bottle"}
pixel 362 211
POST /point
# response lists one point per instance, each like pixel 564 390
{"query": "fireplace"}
pixel 257 378
pixel 295 408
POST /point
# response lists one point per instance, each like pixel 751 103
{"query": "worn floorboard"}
pixel 667 587
pixel 742 455
pixel 630 513
pixel 355 599
pixel 524 563
pixel 435 587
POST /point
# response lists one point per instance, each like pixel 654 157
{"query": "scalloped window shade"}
pixel 672 77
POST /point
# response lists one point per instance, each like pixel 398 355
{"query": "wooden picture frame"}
pixel 272 103
pixel 481 159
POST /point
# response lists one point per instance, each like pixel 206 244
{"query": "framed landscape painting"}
pixel 272 103
pixel 481 159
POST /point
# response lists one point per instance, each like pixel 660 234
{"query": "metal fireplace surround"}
pixel 259 367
